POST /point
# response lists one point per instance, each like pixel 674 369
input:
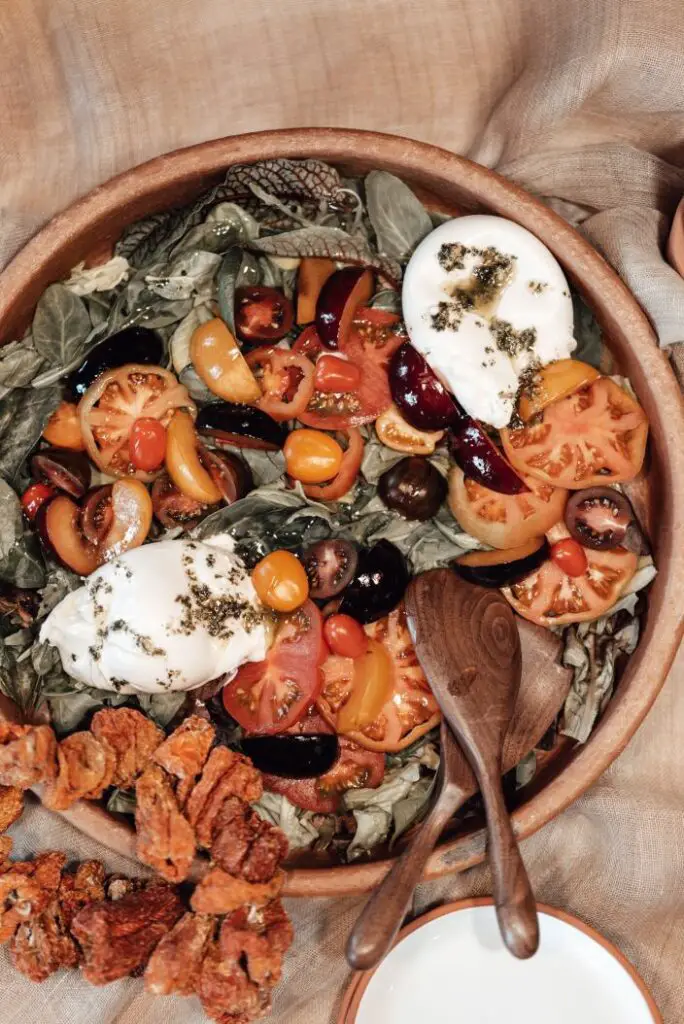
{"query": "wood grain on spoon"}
pixel 544 685
pixel 467 642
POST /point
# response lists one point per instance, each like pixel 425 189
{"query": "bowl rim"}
pixel 646 365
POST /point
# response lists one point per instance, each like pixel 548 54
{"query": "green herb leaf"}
pixel 85 281
pixel 179 343
pixel 225 225
pixel 19 363
pixel 238 269
pixel 61 326
pixel 325 242
pixel 23 417
pixel 185 275
pixel 162 707
pixel 399 219
pixel 197 389
pixel 121 802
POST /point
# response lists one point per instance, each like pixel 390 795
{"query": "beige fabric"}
pixel 578 99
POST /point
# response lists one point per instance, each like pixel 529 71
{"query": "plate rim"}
pixel 356 989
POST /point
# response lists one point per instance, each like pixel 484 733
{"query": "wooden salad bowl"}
pixel 453 184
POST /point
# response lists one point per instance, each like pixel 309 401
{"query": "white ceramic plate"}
pixel 453 967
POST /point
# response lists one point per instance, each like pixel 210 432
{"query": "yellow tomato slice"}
pixel 553 382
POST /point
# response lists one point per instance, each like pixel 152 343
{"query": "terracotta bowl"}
pixel 449 183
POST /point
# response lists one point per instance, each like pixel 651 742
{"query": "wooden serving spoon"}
pixel 467 642
pixel 543 688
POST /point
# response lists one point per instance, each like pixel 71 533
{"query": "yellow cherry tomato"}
pixel 312 456
pixel 555 381
pixel 280 581
pixel 217 358
pixel 371 689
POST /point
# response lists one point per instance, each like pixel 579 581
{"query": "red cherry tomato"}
pixel 147 444
pixel 34 497
pixel 262 314
pixel 345 636
pixel 569 556
pixel 334 374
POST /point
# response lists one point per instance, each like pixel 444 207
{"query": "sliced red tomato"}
pixel 595 436
pixel 355 768
pixel 347 474
pixel 267 697
pixel 551 597
pixel 286 379
pixel 374 336
pixel 410 709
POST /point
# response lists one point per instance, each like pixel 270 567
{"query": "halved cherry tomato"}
pixel 374 336
pixel 147 444
pixel 550 597
pixel 396 433
pixel 280 581
pixel 569 556
pixel 286 379
pixel 347 474
pixel 34 497
pixel 595 436
pixel 262 314
pixel 504 520
pixel 336 374
pixel 410 710
pixel 345 636
pixel 63 429
pixel 553 382
pixel 312 456
pixel 216 356
pixel 113 403
pixel 268 696
pixel 355 768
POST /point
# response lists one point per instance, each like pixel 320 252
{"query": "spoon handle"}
pixel 381 918
pixel 515 905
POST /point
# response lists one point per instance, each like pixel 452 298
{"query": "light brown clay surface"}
pixel 453 184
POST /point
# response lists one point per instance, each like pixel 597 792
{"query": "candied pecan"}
pixel 165 840
pixel 262 958
pixel 226 992
pixel 175 965
pixel 225 774
pixel 28 754
pixel 133 737
pixel 270 919
pixel 26 888
pixel 183 754
pixel 119 886
pixel 85 886
pixel 5 850
pixel 85 769
pixel 42 944
pixel 245 845
pixel 117 938
pixel 220 893
pixel 11 806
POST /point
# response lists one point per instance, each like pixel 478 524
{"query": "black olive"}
pixel 501 568
pixel 132 345
pixel 330 566
pixel 413 487
pixel 293 757
pixel 240 425
pixel 379 583
pixel 601 517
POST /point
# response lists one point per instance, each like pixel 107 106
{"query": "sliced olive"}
pixel 330 566
pixel 501 568
pixel 172 507
pixel 379 583
pixel 67 470
pixel 413 487
pixel 232 476
pixel 601 517
pixel 292 757
pixel 240 425
pixel 97 514
pixel 132 345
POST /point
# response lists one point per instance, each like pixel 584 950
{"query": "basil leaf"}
pixel 185 276
pixel 197 389
pixel 19 363
pixel 23 417
pixel 238 269
pixel 11 526
pixel 25 567
pixel 162 707
pixel 61 325
pixel 388 299
pixel 179 344
pixel 60 582
pixel 323 242
pixel 399 219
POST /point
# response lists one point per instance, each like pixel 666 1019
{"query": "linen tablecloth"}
pixel 580 100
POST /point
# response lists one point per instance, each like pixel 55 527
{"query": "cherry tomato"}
pixel 34 497
pixel 262 314
pixel 280 581
pixel 64 428
pixel 147 442
pixel 269 696
pixel 345 636
pixel 312 456
pixel 347 473
pixel 336 374
pixel 569 555
pixel 286 379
